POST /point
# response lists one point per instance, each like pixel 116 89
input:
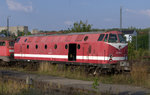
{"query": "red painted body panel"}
pixel 91 50
pixel 6 50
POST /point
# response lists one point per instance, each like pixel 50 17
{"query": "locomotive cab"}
pixel 115 52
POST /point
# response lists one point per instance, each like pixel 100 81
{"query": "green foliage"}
pixel 4 32
pixel 140 55
pixel 95 83
pixel 131 49
pixel 22 33
pixel 80 27
pixel 142 48
pixel 142 45
pixel 143 41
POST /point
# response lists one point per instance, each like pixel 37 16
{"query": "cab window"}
pixel 106 38
pixel 112 38
pixel 11 43
pixel 121 38
pixel 2 43
pixel 101 37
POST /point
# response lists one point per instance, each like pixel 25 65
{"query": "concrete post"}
pixel 120 18
pixel 8 26
pixel 149 40
pixel 136 42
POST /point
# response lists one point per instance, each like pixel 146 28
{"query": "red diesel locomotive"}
pixel 6 49
pixel 97 49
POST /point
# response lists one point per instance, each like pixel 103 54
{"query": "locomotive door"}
pixel 72 52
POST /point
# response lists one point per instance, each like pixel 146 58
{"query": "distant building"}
pixel 14 30
pixel 129 35
pixel 35 31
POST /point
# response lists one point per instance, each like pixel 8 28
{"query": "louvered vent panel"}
pixel 68 38
pixel 79 38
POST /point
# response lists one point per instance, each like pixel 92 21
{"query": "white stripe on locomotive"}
pixel 66 57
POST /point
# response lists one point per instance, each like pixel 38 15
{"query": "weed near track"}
pixel 139 75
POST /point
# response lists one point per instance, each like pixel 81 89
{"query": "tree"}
pixel 80 27
pixel 4 32
pixel 22 33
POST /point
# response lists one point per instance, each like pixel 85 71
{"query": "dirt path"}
pixel 78 85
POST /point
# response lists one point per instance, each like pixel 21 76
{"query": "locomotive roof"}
pixel 98 32
pixel 7 38
pixel 73 37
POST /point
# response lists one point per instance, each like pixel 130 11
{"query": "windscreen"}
pixel 112 38
pixel 2 43
pixel 11 43
pixel 121 38
pixel 106 38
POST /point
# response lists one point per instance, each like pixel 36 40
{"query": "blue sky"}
pixel 60 14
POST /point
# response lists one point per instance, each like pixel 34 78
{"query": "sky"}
pixel 61 14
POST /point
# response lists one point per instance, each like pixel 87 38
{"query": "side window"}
pixel 36 46
pixel 25 40
pixel 78 46
pixel 66 46
pixel 2 43
pixel 27 46
pixel 17 40
pixel 46 46
pixel 86 38
pixel 106 38
pixel 101 37
pixel 55 46
pixel 11 43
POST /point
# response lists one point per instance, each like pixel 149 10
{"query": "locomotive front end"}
pixel 117 51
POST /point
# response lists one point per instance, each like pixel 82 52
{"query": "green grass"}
pixel 16 88
pixel 139 76
pixel 68 72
